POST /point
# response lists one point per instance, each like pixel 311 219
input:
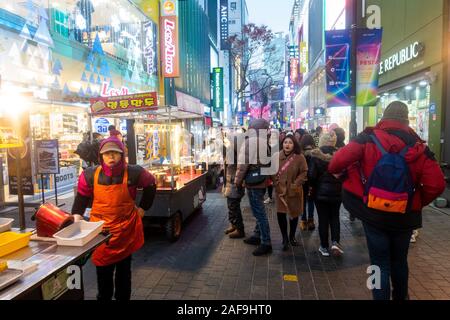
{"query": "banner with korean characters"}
pixel 130 103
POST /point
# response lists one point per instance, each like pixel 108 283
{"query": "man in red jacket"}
pixel 388 234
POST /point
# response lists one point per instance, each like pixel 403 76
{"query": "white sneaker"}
pixel 324 252
pixel 336 249
pixel 414 236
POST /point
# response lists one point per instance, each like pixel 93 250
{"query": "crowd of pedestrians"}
pixel 384 177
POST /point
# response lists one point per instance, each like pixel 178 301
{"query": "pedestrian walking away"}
pixel 307 146
pixel 288 182
pixel 326 190
pixel 113 186
pixel 390 175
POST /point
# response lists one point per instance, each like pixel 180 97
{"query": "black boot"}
pixel 253 241
pixel 293 242
pixel 285 244
pixel 262 250
pixel 293 223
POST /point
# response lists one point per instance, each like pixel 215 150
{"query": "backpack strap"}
pixel 404 151
pixel 378 144
pixel 383 151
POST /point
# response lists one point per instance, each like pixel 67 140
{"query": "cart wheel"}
pixel 173 227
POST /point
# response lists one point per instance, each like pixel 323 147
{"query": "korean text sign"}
pixel 130 103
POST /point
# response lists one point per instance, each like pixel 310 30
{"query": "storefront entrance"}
pixel 417 97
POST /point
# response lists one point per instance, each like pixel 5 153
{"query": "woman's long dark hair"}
pixel 307 141
pixel 297 149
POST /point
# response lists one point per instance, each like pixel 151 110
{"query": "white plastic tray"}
pixel 5 224
pixel 9 277
pixel 78 234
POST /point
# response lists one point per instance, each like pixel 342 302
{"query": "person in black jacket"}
pixel 307 145
pixel 327 194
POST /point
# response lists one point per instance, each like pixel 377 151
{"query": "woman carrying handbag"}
pixel 288 183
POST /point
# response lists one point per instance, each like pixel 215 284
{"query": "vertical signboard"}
pixel 303 57
pixel 218 90
pixel 24 163
pixel 224 27
pixel 294 72
pixel 169 39
pixel 338 44
pixel 149 51
pixel 368 65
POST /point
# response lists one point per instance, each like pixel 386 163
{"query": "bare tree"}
pixel 255 60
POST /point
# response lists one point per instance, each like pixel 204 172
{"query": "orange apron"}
pixel 114 205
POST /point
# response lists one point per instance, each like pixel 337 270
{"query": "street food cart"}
pixel 57 274
pixel 168 142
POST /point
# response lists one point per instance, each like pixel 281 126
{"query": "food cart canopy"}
pixel 162 114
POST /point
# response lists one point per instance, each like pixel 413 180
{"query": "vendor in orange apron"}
pixel 112 187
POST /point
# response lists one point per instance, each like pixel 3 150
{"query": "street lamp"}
pixel 13 106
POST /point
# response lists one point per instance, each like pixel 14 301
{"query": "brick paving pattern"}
pixel 206 264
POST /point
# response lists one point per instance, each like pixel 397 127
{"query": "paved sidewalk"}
pixel 206 264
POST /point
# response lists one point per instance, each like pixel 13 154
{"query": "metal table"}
pixel 53 262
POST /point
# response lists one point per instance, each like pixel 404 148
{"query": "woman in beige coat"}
pixel 288 183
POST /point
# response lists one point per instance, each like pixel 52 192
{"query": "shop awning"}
pixel 162 114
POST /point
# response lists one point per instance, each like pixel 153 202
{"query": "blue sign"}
pixel 433 108
pixel 338 44
pixel 101 125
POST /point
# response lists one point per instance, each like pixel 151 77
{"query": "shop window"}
pixel 60 22
pixel 417 97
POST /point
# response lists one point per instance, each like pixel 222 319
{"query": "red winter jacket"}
pixel 363 154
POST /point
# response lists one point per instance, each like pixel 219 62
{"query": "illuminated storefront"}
pixel 65 52
pixel 412 66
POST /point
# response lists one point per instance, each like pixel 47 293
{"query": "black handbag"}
pixel 254 177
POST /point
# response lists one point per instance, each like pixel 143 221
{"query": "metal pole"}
pixel 170 148
pixel 353 67
pixel 21 201
pixel 56 190
pixel 42 189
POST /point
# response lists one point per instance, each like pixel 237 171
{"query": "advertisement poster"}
pixel 24 163
pixel 130 103
pixel 47 155
pixel 368 64
pixel 338 44
pixel 149 52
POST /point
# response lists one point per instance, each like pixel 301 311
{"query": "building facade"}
pixel 413 65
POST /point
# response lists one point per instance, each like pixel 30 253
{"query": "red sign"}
pixel 130 103
pixel 169 47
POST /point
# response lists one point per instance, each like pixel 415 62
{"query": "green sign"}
pixel 218 96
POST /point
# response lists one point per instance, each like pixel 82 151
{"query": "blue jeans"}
pixel 310 212
pixel 389 251
pixel 262 229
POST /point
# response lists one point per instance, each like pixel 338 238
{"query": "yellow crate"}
pixel 12 241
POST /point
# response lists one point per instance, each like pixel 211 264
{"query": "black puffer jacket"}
pixel 326 187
